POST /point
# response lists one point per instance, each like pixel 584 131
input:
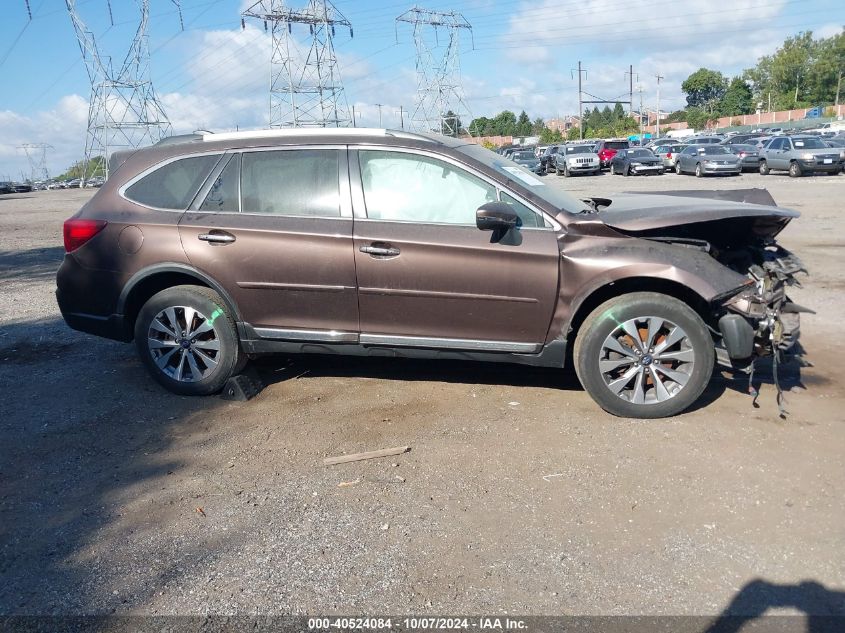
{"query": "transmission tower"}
pixel 439 103
pixel 305 87
pixel 124 110
pixel 36 154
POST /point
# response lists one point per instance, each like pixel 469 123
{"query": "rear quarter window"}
pixel 174 185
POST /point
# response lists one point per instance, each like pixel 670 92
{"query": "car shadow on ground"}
pixel 276 369
pixel 823 608
pixel 82 429
pixel 36 263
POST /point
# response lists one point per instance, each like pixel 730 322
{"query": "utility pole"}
pixel 36 154
pixel 124 109
pixel 379 114
pixel 305 87
pixel 580 102
pixel 439 85
pixel 353 116
pixel 631 75
pixel 640 117
pixel 401 117
pixel 657 129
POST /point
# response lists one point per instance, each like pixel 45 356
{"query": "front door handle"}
pixel 380 251
pixel 216 238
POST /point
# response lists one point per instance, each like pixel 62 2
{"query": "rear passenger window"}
pixel 173 185
pixel 223 195
pixel 291 182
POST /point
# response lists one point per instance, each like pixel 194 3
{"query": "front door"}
pixel 427 276
pixel 274 227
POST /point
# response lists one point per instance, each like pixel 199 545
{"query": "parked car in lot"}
pixel 741 139
pixel 704 160
pixel 575 159
pixel 703 140
pixel 799 155
pixel 527 159
pixel 19 187
pixel 636 162
pixel 606 150
pixel 215 248
pixel 545 159
pixel 5 187
pixel 839 145
pixel 668 153
pixel 749 156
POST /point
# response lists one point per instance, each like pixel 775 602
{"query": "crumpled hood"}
pixel 715 220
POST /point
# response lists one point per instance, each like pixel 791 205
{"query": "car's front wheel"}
pixel 699 172
pixel 612 170
pixel 644 355
pixel 187 339
pixel 764 168
pixel 678 168
pixel 795 170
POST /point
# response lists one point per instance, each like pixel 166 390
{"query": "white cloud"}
pixel 63 127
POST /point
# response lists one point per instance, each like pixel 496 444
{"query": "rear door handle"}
pixel 380 251
pixel 216 238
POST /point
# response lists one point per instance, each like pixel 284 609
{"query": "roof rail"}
pixel 317 131
pixel 180 138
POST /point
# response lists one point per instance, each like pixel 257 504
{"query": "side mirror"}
pixel 496 216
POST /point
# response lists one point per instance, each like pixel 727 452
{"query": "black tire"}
pixel 557 171
pixel 612 170
pixel 606 318
pixel 699 173
pixel 626 171
pixel 764 168
pixel 795 170
pixel 229 359
pixel 566 173
pixel 678 168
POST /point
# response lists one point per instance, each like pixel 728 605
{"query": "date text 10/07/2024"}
pixel 417 623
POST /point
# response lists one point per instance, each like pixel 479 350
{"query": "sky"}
pixel 215 74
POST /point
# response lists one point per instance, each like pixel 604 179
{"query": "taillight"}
pixel 742 154
pixel 668 154
pixel 78 231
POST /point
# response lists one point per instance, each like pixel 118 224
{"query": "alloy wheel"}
pixel 184 343
pixel 646 360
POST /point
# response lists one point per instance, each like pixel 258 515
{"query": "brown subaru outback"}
pixel 210 249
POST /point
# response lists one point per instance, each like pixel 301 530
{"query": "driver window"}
pixel 404 187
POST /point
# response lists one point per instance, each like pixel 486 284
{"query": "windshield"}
pixel 524 156
pixel 616 145
pixel 739 147
pixel 580 149
pixel 556 197
pixel 639 153
pixel 808 143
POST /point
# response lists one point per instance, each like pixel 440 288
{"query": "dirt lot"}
pixel 519 495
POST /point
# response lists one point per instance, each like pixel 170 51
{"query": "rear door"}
pixel 427 276
pixel 274 227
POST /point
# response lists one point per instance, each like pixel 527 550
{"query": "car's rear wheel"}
pixel 187 339
pixel 795 170
pixel 764 168
pixel 644 355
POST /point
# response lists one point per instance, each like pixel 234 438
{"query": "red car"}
pixel 607 150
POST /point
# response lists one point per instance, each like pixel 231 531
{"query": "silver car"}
pixel 799 155
pixel 668 153
pixel 702 160
pixel 575 159
pixel 749 155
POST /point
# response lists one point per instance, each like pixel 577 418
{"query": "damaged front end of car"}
pixel 757 319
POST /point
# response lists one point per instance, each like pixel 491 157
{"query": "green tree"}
pixel 523 125
pixel 618 112
pixel 550 136
pixel 677 115
pixel 478 125
pixel 505 123
pixel 737 98
pixel 698 118
pixel 704 89
pixel 537 126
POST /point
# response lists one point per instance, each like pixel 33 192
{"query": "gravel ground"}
pixel 519 495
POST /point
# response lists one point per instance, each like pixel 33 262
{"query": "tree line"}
pixel 803 72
